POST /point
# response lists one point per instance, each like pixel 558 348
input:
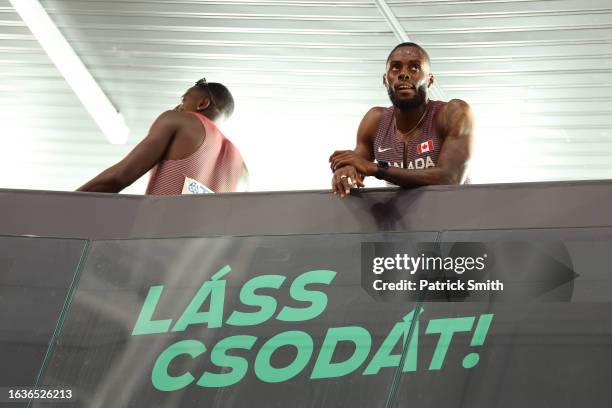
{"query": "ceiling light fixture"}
pixel 74 71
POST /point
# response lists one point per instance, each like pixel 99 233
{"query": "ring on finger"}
pixel 343 176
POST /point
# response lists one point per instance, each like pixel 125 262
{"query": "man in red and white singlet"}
pixel 416 142
pixel 184 150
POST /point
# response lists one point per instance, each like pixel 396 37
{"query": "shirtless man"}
pixel 183 148
pixel 417 141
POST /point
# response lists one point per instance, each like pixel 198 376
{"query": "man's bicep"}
pixel 366 134
pixel 455 155
pixel 150 150
pixel 457 128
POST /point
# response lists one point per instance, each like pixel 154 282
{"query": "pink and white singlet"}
pixel 217 164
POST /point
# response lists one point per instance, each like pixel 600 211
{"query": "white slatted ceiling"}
pixel 537 73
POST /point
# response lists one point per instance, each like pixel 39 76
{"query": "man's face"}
pixel 192 100
pixel 407 78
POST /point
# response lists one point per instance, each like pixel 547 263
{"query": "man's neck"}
pixel 407 119
pixel 210 115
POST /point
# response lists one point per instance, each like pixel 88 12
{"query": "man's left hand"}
pixel 341 158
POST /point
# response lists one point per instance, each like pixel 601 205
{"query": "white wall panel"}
pixel 538 74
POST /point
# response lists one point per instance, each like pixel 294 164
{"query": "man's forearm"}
pixel 417 178
pixel 105 182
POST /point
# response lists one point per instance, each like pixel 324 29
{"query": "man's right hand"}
pixel 344 178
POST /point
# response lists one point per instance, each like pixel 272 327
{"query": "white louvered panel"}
pixel 537 73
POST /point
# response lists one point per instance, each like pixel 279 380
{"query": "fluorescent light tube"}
pixel 71 67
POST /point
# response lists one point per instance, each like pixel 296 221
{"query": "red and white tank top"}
pixel 217 164
pixel 419 152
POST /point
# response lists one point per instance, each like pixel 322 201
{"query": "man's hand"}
pixel 344 178
pixel 342 158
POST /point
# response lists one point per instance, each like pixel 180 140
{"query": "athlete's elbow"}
pixel 446 177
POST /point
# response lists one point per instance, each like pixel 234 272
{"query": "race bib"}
pixel 191 186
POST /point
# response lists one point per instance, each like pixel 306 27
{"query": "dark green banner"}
pixel 288 322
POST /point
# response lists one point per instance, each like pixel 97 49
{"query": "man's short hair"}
pixel 223 99
pixel 411 44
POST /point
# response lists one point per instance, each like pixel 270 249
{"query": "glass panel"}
pixel 549 348
pixel 151 322
pixel 35 277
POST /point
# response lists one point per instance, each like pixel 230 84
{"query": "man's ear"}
pixel 204 103
pixel 431 80
pixel 385 80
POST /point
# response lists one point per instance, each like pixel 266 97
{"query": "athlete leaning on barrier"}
pixel 417 141
pixel 185 151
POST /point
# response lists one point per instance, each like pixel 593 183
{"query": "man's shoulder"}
pixel 458 103
pixel 453 114
pixel 370 123
pixel 186 126
pixel 175 117
pixel 447 109
pixel 373 117
pixel 376 113
pixel 453 105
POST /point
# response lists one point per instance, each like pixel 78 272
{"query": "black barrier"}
pixel 301 320
pixel 435 208
pixel 35 278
